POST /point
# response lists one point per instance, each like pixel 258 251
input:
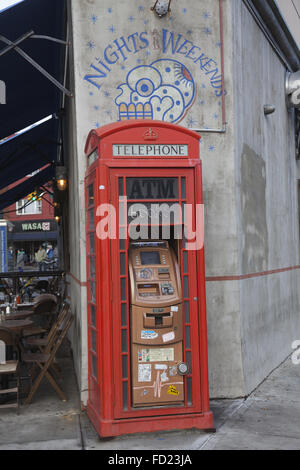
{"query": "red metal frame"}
pixel 106 405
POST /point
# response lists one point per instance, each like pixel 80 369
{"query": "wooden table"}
pixel 18 315
pixel 16 325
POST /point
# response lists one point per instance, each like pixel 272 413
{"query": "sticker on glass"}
pixel 156 355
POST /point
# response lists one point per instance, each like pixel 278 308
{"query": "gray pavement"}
pixel 268 419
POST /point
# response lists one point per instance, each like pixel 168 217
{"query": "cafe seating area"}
pixel 31 334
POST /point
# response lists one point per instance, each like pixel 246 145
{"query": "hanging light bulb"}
pixel 61 177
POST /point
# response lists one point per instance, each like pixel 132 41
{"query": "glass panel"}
pixel 183 191
pixel 91 219
pixel 92 266
pixel 94 340
pixel 188 360
pixel 187 311
pixel 125 396
pixel 124 367
pixel 124 314
pixel 185 262
pixel 92 242
pixel 187 337
pixel 189 391
pixel 93 291
pixel 94 366
pixel 122 264
pixel 123 289
pixel 93 315
pixel 121 187
pixel 152 188
pixel 124 340
pixel 186 286
pixel 122 238
pixel 91 195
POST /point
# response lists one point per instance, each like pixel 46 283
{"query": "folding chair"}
pixel 45 344
pixel 9 367
pixel 45 360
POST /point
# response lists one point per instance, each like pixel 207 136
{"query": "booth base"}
pixel 113 428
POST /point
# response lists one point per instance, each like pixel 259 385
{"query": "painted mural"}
pixel 139 66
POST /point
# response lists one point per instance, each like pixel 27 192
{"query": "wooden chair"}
pixel 45 343
pixel 44 313
pixel 9 368
pixel 46 359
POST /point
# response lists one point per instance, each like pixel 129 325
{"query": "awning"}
pixel 29 237
pixel 30 96
pixel 23 189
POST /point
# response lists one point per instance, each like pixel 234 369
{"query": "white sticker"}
pixel 174 308
pixel 148 334
pixel 144 373
pixel 156 355
pixel 160 366
pixel 164 377
pixel 168 336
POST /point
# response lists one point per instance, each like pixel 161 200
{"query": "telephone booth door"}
pixel 177 187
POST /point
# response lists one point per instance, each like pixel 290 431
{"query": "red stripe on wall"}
pixel 82 284
pixel 249 276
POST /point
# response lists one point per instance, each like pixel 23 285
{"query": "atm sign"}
pixel 154 150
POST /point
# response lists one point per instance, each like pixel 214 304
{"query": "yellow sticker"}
pixel 173 390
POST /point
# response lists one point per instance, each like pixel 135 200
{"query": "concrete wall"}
pixel 267 207
pixel 249 170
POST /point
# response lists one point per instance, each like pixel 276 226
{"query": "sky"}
pixel 5 4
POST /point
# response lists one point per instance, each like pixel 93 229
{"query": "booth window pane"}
pixel 185 262
pixel 187 337
pixel 188 360
pixel 92 243
pixel 121 187
pixel 94 340
pixel 92 266
pixel 187 311
pixel 94 366
pixel 124 340
pixel 123 288
pixel 125 367
pixel 122 264
pixel 93 315
pixel 91 195
pixel 124 314
pixel 183 191
pixel 186 286
pixel 91 219
pixel 189 397
pixel 93 291
pixel 125 396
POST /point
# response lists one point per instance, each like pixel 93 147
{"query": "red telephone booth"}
pixel 147 341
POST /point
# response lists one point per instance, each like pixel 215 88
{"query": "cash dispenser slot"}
pixel 158 320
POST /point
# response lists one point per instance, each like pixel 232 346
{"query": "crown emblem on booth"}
pixel 150 135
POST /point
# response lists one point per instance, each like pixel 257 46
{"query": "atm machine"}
pixel 156 325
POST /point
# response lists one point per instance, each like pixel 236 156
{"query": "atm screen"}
pixel 150 257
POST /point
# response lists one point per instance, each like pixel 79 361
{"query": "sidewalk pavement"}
pixel 268 419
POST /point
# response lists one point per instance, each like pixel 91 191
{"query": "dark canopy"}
pixel 30 96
